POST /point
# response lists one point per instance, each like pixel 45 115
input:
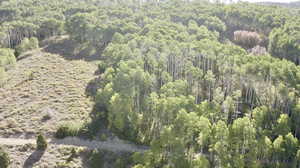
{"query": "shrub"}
pixel 68 129
pixel 26 45
pixel 137 157
pixel 7 57
pixel 41 142
pixel 120 163
pixel 4 159
pixel 96 159
pixel 103 137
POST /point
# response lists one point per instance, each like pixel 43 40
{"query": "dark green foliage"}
pixel 41 142
pixel 96 159
pixel 50 27
pixel 285 42
pixel 4 159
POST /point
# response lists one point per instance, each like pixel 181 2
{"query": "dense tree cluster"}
pixel 193 80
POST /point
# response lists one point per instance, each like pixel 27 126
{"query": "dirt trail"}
pixel 114 146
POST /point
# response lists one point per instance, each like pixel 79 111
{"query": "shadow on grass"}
pixel 92 87
pixel 70 49
pixel 33 158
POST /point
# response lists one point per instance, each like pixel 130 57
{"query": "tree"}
pixel 220 145
pixel 247 39
pixel 284 42
pixel 295 118
pixel 283 125
pixel 200 162
pixel 243 142
pixel 285 148
pixel 16 31
pixel 50 27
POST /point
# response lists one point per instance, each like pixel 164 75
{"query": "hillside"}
pixel 43 91
pixel 149 84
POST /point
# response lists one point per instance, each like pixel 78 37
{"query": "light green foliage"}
pixel 283 125
pixel 7 57
pixel 69 129
pixel 200 162
pixel 27 44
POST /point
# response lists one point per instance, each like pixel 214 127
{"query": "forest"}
pixel 202 84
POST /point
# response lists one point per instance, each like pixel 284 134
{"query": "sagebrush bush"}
pixel 68 129
pixel 4 159
pixel 41 142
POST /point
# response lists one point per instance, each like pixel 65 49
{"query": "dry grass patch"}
pixel 43 91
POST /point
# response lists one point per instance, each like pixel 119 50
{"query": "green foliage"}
pixel 2 75
pixel 284 42
pixel 7 57
pixel 41 142
pixel 120 163
pixel 50 27
pixel 26 45
pixel 103 137
pixel 69 129
pixel 4 159
pixel 172 78
pixel 96 159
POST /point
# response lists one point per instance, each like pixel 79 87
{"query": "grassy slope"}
pixel 43 85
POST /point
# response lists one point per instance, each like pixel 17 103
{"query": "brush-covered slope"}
pixel 43 91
